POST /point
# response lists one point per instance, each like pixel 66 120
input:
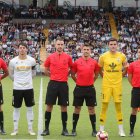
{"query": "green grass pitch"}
pixel 83 127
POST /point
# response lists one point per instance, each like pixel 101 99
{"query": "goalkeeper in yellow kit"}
pixel 112 63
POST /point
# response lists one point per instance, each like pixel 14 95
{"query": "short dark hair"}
pixel 60 39
pixel 112 39
pixel 87 45
pixel 22 44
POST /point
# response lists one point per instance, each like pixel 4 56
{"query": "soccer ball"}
pixel 102 135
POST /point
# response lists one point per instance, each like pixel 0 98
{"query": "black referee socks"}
pixel 132 122
pixel 47 119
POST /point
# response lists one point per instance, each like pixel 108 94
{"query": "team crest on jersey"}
pixel 112 65
pixel 118 59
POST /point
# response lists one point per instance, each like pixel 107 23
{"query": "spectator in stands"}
pixel 43 39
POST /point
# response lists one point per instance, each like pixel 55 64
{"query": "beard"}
pixel 59 49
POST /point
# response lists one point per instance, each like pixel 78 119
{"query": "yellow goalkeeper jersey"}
pixel 112 65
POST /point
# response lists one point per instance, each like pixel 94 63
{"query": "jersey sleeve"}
pixel 101 61
pixel 97 67
pixel 47 62
pixel 130 69
pixel 124 60
pixel 33 62
pixel 33 67
pixel 11 69
pixel 11 64
pixel 3 65
pixel 74 67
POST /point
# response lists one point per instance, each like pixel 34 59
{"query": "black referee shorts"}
pixel 57 89
pixel 86 93
pixel 135 97
pixel 1 95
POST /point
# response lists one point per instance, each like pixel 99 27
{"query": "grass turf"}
pixel 83 127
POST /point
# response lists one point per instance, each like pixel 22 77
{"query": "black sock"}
pixel 1 119
pixel 93 121
pixel 75 120
pixel 64 117
pixel 132 122
pixel 47 119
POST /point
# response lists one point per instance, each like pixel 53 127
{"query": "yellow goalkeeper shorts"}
pixel 115 92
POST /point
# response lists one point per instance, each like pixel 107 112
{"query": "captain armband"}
pixel 33 71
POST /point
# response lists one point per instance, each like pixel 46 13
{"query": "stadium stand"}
pixel 90 25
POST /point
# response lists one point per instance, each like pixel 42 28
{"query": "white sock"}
pixel 101 127
pixel 30 117
pixel 16 116
pixel 120 126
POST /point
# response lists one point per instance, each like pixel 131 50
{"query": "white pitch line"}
pixel 40 112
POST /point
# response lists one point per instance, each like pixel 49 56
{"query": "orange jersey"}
pixel 59 65
pixel 85 71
